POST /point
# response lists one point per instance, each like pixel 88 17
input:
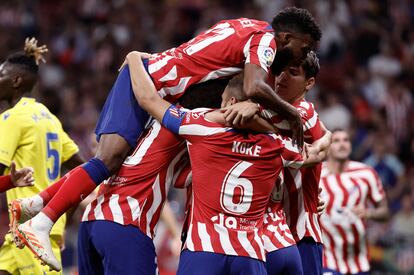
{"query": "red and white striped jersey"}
pixel 301 187
pixel 233 173
pixel 220 51
pixel 344 233
pixel 276 232
pixel 136 194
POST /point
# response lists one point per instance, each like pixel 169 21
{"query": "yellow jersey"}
pixel 31 136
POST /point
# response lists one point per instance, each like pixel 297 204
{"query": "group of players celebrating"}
pixel 251 163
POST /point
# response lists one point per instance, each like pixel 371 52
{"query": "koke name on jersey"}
pixel 246 148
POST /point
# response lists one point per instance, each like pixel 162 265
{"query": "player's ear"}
pixel 17 81
pixel 233 100
pixel 284 37
pixel 309 83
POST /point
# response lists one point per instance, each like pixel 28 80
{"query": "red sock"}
pixel 50 191
pixel 5 183
pixel 78 185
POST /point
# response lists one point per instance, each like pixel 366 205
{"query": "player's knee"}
pixel 112 150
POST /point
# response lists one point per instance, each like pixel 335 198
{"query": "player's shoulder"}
pixel 248 24
pixel 356 166
pixel 305 108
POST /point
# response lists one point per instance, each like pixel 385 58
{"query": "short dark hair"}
pixel 310 65
pixel 236 87
pixel 26 62
pixel 294 19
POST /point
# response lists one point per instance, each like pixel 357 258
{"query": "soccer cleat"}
pixel 20 211
pixel 39 243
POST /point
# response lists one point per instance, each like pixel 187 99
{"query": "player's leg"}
pixel 246 266
pixel 89 260
pixel 123 249
pixel 119 126
pixel 202 263
pixel 284 261
pixel 311 255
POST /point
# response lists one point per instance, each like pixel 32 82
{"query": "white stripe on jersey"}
pixel 268 245
pixel 86 212
pixel 134 206
pixel 221 32
pixel 189 240
pixel 200 130
pixel 221 73
pixel 225 240
pixel 246 49
pixel 143 148
pixel 171 75
pixel 154 67
pixel 116 209
pixel 98 209
pixel 242 237
pixel 179 88
pixel 282 240
pixel 156 192
pixel 204 237
pixel 259 242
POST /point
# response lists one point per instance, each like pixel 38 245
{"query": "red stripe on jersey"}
pixel 343 231
pixel 135 195
pixel 220 51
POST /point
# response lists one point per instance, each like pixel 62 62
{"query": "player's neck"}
pixel 337 166
pixel 17 97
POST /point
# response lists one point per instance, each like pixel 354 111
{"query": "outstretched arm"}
pixel 317 152
pixel 17 178
pixel 256 88
pixel 144 88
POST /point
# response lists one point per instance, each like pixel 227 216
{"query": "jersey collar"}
pixel 25 100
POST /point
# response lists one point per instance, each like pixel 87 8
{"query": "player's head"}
pixel 341 147
pixel 18 74
pixel 297 79
pixel 233 92
pixel 296 33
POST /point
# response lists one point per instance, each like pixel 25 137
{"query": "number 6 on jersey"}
pixel 233 182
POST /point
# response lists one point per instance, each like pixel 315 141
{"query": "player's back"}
pixel 32 136
pixel 220 51
pixel 137 192
pixel 233 174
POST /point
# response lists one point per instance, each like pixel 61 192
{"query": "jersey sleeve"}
pixel 11 131
pixel 260 50
pixel 311 124
pixel 291 157
pixel 376 190
pixel 69 147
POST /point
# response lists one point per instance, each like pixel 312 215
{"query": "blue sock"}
pixel 97 170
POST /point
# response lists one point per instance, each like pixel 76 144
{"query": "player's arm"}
pixel 17 178
pixel 144 88
pixel 256 88
pixel 317 151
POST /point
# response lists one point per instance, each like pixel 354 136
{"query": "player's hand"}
pixel 133 54
pixel 296 126
pixel 21 177
pixel 239 114
pixel 321 203
pixel 360 211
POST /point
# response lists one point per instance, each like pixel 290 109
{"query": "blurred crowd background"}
pixel 366 83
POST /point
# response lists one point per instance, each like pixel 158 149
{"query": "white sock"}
pixel 35 204
pixel 41 222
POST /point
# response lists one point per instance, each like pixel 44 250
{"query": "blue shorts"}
pixel 121 113
pixel 284 261
pixel 311 254
pixel 109 248
pixel 327 271
pixel 208 263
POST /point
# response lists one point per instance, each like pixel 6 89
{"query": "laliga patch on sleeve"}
pixel 267 55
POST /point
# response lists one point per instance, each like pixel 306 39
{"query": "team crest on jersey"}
pixel 268 56
pixel 175 112
pixel 195 115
